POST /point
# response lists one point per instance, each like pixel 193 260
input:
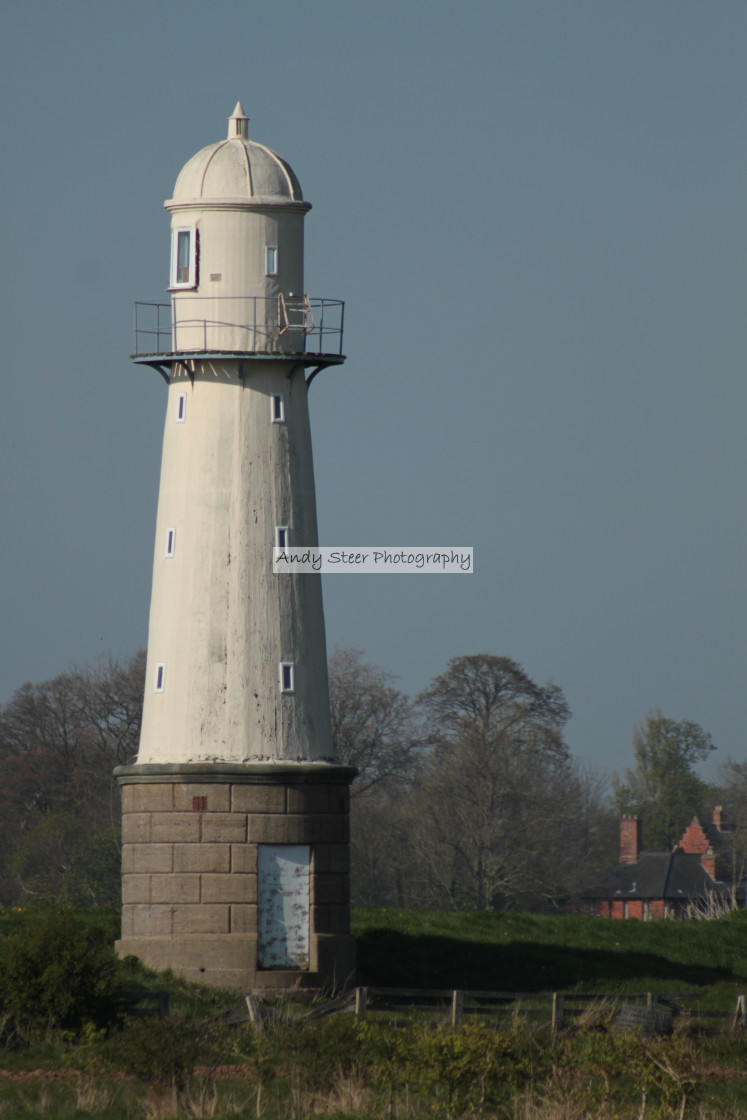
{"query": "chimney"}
pixel 718 817
pixel 630 839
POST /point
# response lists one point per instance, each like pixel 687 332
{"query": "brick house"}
pixel 649 885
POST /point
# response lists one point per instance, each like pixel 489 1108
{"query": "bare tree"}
pixel 731 794
pixel 496 794
pixel 373 726
pixel 59 741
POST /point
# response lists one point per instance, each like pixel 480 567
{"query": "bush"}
pixel 160 1052
pixel 56 973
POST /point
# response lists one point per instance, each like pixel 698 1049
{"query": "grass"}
pixel 523 952
pixel 335 1069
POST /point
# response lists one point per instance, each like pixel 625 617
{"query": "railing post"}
pixel 457 1007
pixel 361 1000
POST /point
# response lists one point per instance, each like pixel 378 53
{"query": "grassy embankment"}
pixel 524 952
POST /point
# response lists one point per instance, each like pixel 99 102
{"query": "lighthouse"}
pixel 235 813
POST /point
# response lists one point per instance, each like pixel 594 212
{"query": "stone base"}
pixel 224 962
pixel 190 840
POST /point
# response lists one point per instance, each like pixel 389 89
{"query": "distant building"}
pixel 645 885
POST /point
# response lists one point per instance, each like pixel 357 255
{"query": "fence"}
pixel 651 1012
pixel 244 324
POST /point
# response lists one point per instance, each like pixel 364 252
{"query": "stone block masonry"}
pixel 191 836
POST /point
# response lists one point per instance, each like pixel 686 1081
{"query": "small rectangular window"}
pixel 278 408
pixel 160 676
pixel 282 536
pixel 271 260
pixel 181 408
pixel 287 676
pixel 170 541
pixel 184 258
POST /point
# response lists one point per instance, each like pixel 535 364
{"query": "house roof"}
pixel 671 876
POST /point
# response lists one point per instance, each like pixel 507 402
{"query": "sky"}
pixel 535 212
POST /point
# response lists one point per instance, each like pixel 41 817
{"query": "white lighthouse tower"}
pixel 235 825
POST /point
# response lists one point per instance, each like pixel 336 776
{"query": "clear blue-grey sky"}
pixel 535 210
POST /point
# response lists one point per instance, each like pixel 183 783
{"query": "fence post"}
pixel 556 1021
pixel 739 1012
pixel 255 1014
pixel 457 1007
pixel 361 1000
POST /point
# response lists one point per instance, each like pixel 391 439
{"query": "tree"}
pixel 664 789
pixel 497 792
pixel 59 741
pixel 61 858
pixel 373 726
pixel 731 795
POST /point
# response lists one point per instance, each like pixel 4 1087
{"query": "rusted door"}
pixel 283 904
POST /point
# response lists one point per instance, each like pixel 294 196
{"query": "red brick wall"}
pixel 694 840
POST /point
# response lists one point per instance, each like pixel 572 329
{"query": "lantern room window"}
pixel 184 258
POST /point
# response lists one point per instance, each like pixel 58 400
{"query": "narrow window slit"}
pixel 287 676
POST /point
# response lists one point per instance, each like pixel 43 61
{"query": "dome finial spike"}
pixel 238 124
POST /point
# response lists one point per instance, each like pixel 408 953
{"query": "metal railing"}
pixel 244 324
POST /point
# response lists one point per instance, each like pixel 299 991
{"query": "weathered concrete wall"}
pixel 191 838
pixel 221 622
pixel 232 268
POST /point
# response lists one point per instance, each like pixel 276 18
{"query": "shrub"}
pixel 56 973
pixel 160 1052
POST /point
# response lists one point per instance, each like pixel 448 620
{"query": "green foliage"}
pixel 54 972
pixel 60 858
pixel 663 1073
pixel 464 1070
pixel 664 789
pixel 160 1052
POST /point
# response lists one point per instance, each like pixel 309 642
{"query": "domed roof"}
pixel 237 170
